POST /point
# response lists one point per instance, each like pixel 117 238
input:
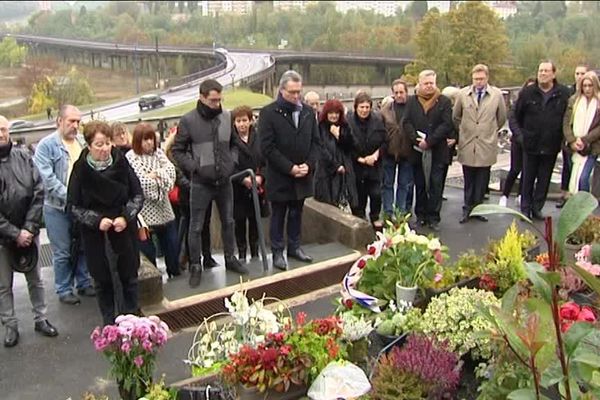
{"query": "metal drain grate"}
pixel 45 256
pixel 194 314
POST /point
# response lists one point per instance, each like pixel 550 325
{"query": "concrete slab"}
pixel 67 366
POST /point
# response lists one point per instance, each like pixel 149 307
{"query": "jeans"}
pixel 58 226
pixel 201 198
pixel 516 165
pixel 294 224
pixel 404 190
pixel 35 286
pixel 584 184
pixel 169 245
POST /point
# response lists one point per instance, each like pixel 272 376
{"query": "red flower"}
pixel 569 311
pixel 301 318
pixel 586 314
pixel 486 282
pixel 437 255
pixel 348 303
pixel 371 250
pixel 565 325
pixel 362 263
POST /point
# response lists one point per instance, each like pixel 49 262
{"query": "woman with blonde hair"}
pixel 121 138
pixel 581 127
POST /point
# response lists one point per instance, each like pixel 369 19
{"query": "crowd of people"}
pixel 105 194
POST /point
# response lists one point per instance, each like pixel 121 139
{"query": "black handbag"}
pixel 22 259
pixel 343 201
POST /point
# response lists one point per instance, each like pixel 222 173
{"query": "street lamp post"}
pixel 232 81
pixel 135 69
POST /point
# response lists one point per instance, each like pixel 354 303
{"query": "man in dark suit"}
pixel 287 129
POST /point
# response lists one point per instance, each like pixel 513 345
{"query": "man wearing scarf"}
pixel 289 135
pixel 429 113
pixel 539 114
pixel 205 149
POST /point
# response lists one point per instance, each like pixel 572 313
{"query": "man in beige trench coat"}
pixel 479 112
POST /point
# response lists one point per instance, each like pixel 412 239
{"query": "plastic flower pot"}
pixel 405 294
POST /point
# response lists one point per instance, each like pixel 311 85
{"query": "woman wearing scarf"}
pixel 369 136
pixel 105 197
pixel 429 113
pixel 121 138
pixel 157 177
pixel 581 127
pixel 334 179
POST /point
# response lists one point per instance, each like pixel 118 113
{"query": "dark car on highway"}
pixel 20 124
pixel 151 101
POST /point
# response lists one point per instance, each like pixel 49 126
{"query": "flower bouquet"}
pixel 249 324
pixel 131 346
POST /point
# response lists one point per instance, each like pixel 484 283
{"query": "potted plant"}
pixel 284 364
pixel 131 345
pixel 404 262
pixel 355 335
pixel 397 321
pixel 422 369
pixel 587 233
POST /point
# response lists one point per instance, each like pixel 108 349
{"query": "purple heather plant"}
pixel 432 362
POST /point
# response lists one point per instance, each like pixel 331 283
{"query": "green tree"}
pixel 417 10
pixel 39 99
pixel 454 42
pixel 11 54
pixel 72 88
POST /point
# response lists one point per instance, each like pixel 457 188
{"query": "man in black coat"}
pixel 428 112
pixel 289 137
pixel 539 114
pixel 205 149
pixel 21 201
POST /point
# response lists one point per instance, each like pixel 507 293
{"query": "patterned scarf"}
pixel 428 100
pixel 99 165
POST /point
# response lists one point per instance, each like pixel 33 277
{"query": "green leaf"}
pixel 534 271
pixel 510 298
pixel 588 278
pixel 523 394
pixel 487 209
pixel 552 375
pixel 590 359
pixel 575 334
pixel 575 211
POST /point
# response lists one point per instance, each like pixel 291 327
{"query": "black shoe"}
pixel 208 262
pixel 233 264
pixel 69 298
pixel 254 251
pixel 480 218
pixel 195 275
pixel 537 215
pixel 561 203
pixel 45 328
pixel 444 198
pixel 434 226
pixel 278 260
pixel 465 218
pixel 300 255
pixel 422 223
pixel 87 292
pixel 11 337
pixel 173 274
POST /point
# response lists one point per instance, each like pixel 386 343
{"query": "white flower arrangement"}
pixel 251 322
pixel 355 328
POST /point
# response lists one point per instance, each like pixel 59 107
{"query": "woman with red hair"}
pixel 335 182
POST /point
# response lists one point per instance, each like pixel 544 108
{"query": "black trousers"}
pixel 476 183
pixel 429 203
pixel 565 174
pixel 368 188
pixel 122 252
pixel 201 198
pixel 516 166
pixel 279 209
pixel 537 172
pixel 240 234
pixel 182 216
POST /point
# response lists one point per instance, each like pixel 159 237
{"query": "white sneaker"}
pixel 518 200
pixel 503 201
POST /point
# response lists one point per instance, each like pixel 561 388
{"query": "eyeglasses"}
pixel 293 91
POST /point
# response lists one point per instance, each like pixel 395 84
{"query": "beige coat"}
pixel 478 125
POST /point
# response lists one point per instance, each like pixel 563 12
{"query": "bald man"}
pixel 312 99
pixel 54 158
pixel 20 221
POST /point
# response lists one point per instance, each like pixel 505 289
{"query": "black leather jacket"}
pixel 21 195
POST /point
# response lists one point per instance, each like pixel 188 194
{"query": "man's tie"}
pixel 479 96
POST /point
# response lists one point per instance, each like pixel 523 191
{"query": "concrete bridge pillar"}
pixel 385 72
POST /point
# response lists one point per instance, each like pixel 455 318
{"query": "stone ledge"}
pixel 150 286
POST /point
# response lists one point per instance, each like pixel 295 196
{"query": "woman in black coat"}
pixel 243 206
pixel 369 136
pixel 335 180
pixel 104 197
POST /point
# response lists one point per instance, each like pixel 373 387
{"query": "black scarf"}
pixel 286 105
pixel 5 149
pixel 207 112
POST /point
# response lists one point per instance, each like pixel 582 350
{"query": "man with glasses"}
pixel 205 149
pixel 289 138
